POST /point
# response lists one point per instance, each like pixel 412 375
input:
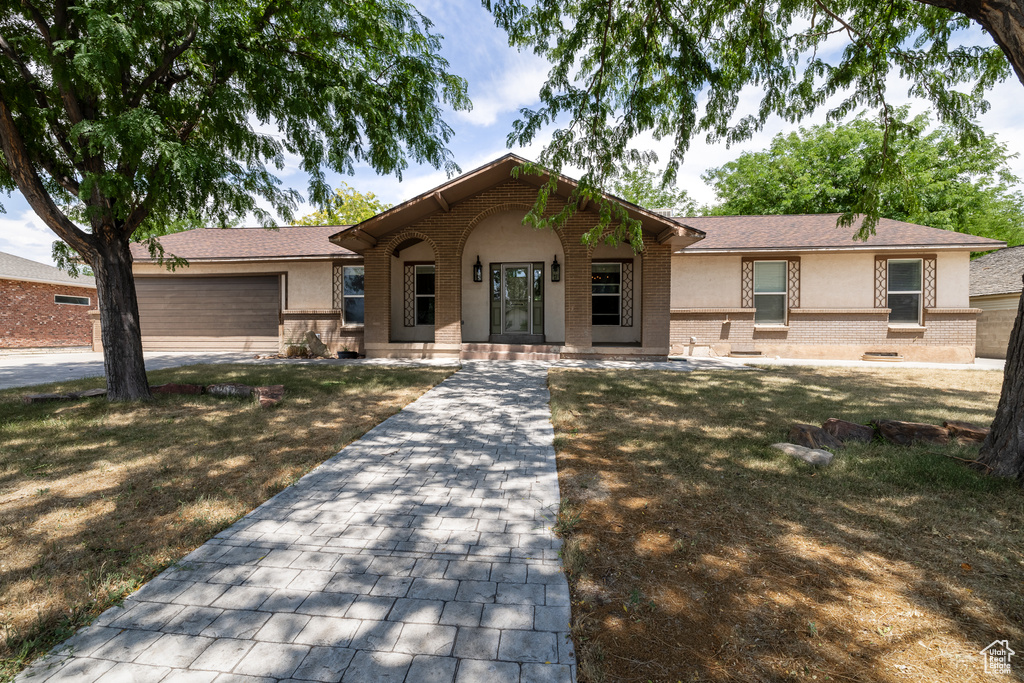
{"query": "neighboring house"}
pixel 454 272
pixel 42 307
pixel 995 290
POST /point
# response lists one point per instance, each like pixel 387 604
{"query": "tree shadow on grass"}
pixel 705 555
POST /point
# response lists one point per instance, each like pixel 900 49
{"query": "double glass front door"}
pixel 517 298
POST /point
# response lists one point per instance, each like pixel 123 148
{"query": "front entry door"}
pixel 516 299
pixel 517 303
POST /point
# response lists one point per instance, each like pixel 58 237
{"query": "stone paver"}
pixel 422 552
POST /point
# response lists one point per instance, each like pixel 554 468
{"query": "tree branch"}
pixel 164 68
pixel 28 181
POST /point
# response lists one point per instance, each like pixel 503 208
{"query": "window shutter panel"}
pixel 410 295
pixel 627 294
pixel 747 284
pixel 339 287
pixel 881 282
pixel 793 288
pixel 928 286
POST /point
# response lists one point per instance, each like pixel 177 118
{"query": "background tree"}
pixel 154 109
pixel 952 185
pixel 622 68
pixel 645 188
pixel 347 206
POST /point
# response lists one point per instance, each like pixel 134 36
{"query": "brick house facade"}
pixel 36 313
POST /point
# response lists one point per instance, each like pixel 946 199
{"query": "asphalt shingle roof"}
pixel 17 268
pixel 819 231
pixel 298 241
pixel 998 273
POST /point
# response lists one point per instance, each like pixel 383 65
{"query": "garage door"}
pixel 209 313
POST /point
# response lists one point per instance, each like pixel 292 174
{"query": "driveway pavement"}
pixel 421 552
pixel 29 369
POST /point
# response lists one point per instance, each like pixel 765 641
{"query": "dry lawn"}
pixel 697 553
pixel 96 498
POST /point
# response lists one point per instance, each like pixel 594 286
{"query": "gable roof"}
pixel 296 242
pixel 17 268
pixel 441 198
pixel 998 273
pixel 819 231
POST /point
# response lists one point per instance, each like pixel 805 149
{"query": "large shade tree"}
pixel 675 70
pixel 158 110
pixel 967 188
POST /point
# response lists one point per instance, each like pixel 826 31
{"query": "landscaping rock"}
pixel 813 437
pixel 812 456
pixel 905 433
pixel 229 389
pixel 268 396
pixel 173 388
pixel 43 398
pixel 317 347
pixel 72 396
pixel 848 431
pixel 966 433
pixel 295 351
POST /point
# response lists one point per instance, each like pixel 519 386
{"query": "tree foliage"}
pixel 944 182
pixel 347 206
pixel 677 70
pixel 645 188
pixel 157 110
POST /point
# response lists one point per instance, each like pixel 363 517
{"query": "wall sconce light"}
pixel 556 270
pixel 478 270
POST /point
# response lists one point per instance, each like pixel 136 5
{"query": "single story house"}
pixel 995 291
pixel 42 307
pixel 455 273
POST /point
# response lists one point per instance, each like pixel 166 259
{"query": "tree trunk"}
pixel 1002 19
pixel 1003 449
pixel 119 320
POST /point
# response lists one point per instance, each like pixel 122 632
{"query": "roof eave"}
pixel 45 281
pixel 870 247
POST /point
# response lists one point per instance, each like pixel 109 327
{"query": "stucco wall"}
pixel 418 253
pixel 619 334
pixel 703 281
pixel 309 283
pixel 502 238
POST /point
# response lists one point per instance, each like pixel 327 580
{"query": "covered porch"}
pixel 456 273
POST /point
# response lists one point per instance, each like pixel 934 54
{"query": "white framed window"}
pixel 770 292
pixel 353 295
pixel 606 294
pixel 903 297
pixel 424 278
pixel 71 300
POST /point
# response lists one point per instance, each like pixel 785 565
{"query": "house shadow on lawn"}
pixel 696 552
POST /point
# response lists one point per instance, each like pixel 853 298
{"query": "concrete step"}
pixel 546 352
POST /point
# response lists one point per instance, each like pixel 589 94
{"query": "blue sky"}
pixel 501 81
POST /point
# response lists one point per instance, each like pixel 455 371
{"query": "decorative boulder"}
pixel 316 347
pixel 173 388
pixel 43 398
pixel 813 437
pixel 294 351
pixel 268 396
pixel 966 433
pixel 229 389
pixel 812 456
pixel 848 431
pixel 905 433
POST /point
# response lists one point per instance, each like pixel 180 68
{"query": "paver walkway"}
pixel 420 553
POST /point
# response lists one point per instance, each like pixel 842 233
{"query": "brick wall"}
pixel 29 318
pixel 447 232
pixel 994 329
pixel 327 324
pixel 948 335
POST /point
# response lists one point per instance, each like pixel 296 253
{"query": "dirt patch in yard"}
pixel 96 498
pixel 697 553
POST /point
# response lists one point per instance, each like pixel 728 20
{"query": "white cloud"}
pixel 24 234
pixel 508 90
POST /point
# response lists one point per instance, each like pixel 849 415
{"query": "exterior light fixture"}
pixel 556 270
pixel 478 270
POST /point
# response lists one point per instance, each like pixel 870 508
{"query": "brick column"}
pixel 655 317
pixel 447 298
pixel 576 273
pixel 377 304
